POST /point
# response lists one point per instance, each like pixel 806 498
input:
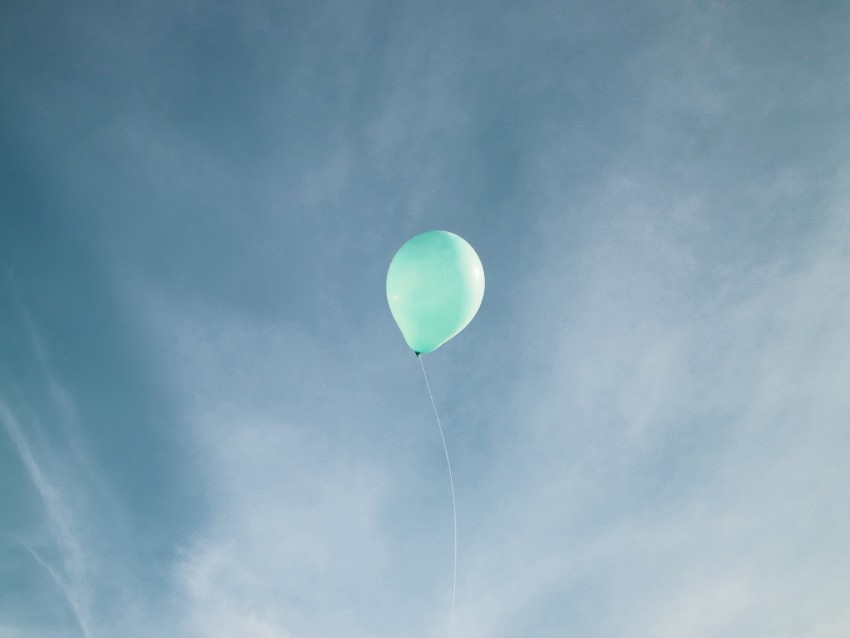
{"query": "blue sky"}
pixel 211 425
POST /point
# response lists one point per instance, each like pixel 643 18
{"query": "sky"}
pixel 210 425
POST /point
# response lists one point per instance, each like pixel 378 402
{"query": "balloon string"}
pixel 452 483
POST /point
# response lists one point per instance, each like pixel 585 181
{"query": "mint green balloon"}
pixel 435 285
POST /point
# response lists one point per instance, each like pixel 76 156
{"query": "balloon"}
pixel 435 285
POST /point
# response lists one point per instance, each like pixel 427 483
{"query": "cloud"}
pixel 73 572
pixel 679 464
pixel 79 535
pixel 645 420
pixel 292 542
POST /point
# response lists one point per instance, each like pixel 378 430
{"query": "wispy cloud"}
pixel 73 574
pixel 294 542
pixel 648 432
pixel 680 463
pixel 59 395
pixel 70 591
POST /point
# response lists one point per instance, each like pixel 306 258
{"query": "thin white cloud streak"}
pixel 68 591
pixel 62 525
pixel 60 396
pixel 58 393
pixel 73 576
